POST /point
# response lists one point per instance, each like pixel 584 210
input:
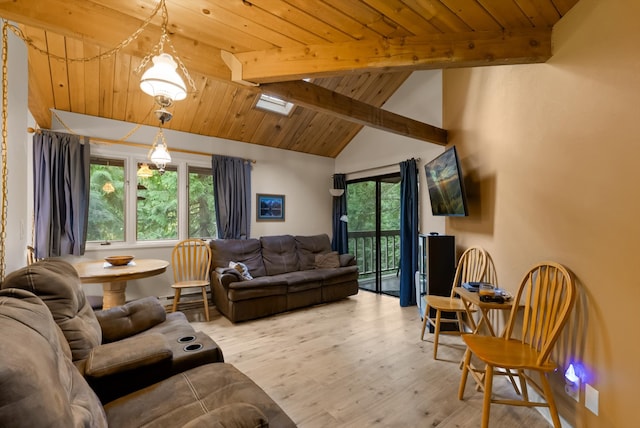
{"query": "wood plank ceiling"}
pixel 357 53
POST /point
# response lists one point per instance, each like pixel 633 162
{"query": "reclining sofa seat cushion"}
pixel 42 387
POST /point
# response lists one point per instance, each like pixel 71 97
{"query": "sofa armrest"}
pixel 226 276
pixel 127 355
pixel 131 318
pixel 347 260
pixel 120 368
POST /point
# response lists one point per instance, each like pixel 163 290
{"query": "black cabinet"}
pixel 436 269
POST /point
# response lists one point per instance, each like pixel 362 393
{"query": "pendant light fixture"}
pixel 162 80
pixel 159 152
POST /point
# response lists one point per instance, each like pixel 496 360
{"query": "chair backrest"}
pixel 471 267
pixel 490 273
pixel 546 295
pixel 191 260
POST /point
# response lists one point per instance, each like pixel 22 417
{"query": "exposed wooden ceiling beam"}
pixel 424 52
pixel 76 19
pixel 323 100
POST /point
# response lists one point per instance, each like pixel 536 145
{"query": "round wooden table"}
pixel 114 278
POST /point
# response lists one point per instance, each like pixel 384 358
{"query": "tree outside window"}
pixel 157 206
pixel 106 200
pixel 202 217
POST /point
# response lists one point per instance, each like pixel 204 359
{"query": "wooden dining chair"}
pixel 191 262
pixel 546 296
pixel 471 268
pixel 31 255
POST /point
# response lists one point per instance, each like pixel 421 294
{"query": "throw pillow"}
pixel 327 260
pixel 242 269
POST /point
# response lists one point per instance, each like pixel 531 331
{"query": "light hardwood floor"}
pixel 358 362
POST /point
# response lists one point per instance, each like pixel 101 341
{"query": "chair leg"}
pixel 486 402
pixel 465 373
pixel 523 385
pixel 550 400
pixel 206 303
pixel 176 300
pixel 436 334
pixel 424 322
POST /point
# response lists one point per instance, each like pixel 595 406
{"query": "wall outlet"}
pixel 591 397
pixel 572 383
pixel 573 389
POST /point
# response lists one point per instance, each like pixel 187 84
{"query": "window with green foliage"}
pixel 106 200
pixel 126 207
pixel 157 206
pixel 202 218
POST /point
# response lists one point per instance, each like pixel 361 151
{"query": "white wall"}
pixel 419 98
pixel 303 179
pixel 18 221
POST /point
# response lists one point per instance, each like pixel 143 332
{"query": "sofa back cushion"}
pixel 310 246
pixel 279 254
pixel 247 251
pixel 56 282
pixel 40 385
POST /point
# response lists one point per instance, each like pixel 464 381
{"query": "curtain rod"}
pixel 146 146
pixel 377 167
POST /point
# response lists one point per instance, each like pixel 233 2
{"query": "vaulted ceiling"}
pixel 357 53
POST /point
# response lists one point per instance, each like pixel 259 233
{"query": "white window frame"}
pixel 131 157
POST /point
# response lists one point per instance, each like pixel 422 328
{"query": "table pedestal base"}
pixel 114 294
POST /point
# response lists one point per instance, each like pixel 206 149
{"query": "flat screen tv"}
pixel 445 183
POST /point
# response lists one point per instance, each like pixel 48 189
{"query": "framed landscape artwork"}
pixel 269 207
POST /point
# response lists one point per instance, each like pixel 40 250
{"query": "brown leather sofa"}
pixel 288 272
pixel 119 349
pixel 41 386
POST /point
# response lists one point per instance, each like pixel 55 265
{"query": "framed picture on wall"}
pixel 269 207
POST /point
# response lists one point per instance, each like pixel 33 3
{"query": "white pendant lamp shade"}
pixel 160 156
pixel 162 82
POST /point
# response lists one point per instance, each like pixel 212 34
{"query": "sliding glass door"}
pixel 373 207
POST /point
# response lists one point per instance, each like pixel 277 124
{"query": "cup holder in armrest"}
pixel 193 347
pixel 186 339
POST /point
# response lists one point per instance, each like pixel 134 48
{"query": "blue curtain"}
pixel 408 231
pixel 340 241
pixel 61 166
pixel 232 195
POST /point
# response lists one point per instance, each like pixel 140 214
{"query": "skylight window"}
pixel 273 104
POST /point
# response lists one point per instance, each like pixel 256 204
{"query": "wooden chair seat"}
pixel 508 354
pixel 446 304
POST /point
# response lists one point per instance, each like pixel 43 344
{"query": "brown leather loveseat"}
pixel 288 272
